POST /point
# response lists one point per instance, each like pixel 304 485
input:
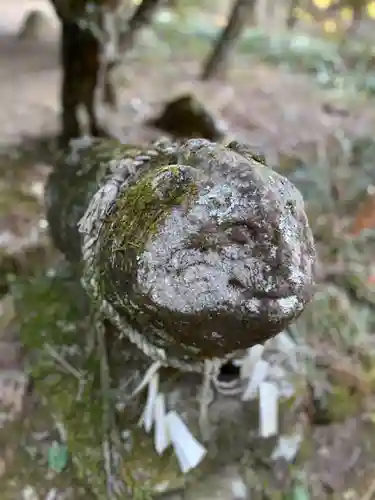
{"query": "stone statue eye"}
pixel 244 232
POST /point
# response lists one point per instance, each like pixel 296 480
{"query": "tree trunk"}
pixel 195 249
pixel 84 38
pixel 141 18
pixel 217 60
pixel 291 16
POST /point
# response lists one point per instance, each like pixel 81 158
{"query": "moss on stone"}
pixel 72 184
pixel 141 208
pixel 139 212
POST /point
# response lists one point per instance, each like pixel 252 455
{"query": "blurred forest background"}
pixel 296 81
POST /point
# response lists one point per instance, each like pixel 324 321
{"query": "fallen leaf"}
pixel 300 493
pixel 365 218
pixel 57 457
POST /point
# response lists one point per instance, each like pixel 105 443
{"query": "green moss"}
pixel 343 403
pixel 71 186
pixel 140 210
pixel 51 330
pixel 54 328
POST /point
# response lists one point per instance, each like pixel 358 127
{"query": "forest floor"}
pixel 267 107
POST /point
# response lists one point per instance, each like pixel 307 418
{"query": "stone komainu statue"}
pixel 199 250
pixel 192 253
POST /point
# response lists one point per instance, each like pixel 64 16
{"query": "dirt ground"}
pixel 271 109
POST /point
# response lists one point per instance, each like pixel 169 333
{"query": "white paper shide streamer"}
pixel 268 409
pixel 264 380
pixel 267 381
pixel 169 429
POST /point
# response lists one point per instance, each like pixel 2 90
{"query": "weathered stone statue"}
pixel 199 248
pixel 191 254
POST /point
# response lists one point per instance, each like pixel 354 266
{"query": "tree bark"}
pixel 291 17
pixel 218 58
pixel 141 18
pixel 197 249
pixel 88 29
pixel 84 38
